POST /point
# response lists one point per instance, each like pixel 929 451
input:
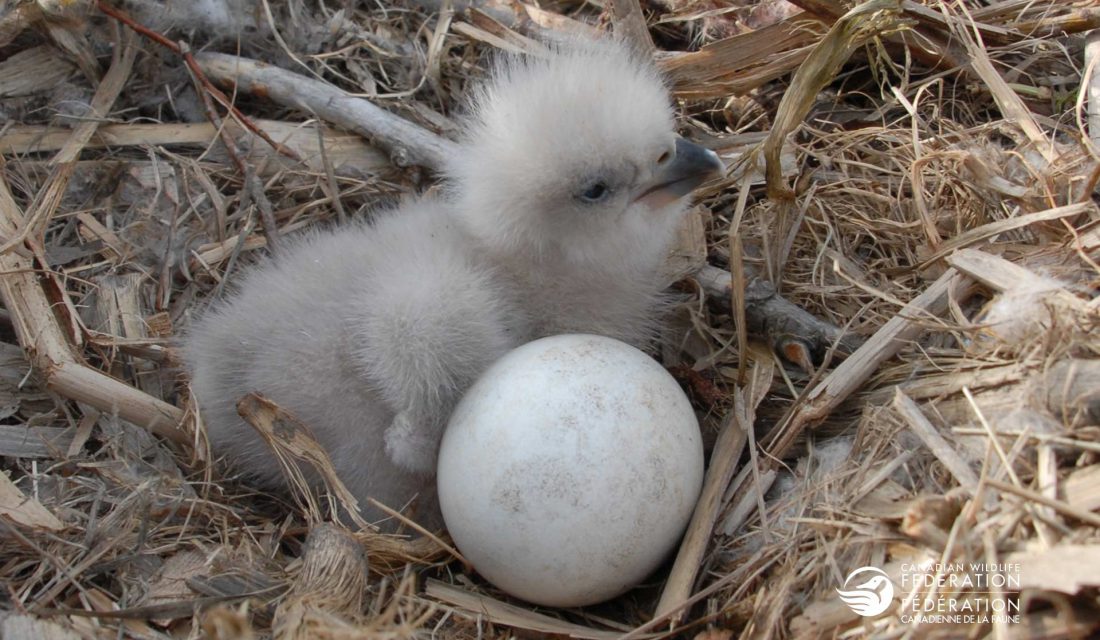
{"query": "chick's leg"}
pixel 412 439
pixel 421 340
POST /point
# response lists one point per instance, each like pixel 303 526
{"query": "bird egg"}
pixel 570 469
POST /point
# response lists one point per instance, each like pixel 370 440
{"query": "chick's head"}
pixel 575 153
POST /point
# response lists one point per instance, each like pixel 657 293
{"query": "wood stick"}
pixel 932 439
pixel 629 22
pixel 348 152
pixel 723 463
pixel 25 510
pixel 407 143
pixel 1061 507
pixel 292 442
pixel 79 382
pixel 750 495
pixel 1009 103
pixel 33 316
pixel 1092 71
pixel 510 615
pixel 951 382
pixel 741 63
pixel 213 254
pixel 1002 275
pixel 523 17
pixel 992 229
pixel 854 371
pixel 48 350
pixel 205 89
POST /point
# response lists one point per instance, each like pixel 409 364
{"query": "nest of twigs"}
pixel 919 176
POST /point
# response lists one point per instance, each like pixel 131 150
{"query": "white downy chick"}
pixel 561 206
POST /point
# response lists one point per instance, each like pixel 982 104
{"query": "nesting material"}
pixel 927 191
pixel 332 582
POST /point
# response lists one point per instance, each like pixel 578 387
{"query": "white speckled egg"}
pixel 570 469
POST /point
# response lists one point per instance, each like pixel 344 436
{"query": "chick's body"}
pixel 560 208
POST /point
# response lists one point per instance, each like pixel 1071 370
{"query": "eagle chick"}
pixel 560 207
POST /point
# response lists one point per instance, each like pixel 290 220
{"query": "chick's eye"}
pixel 595 192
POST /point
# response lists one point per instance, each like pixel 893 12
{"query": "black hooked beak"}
pixel 692 166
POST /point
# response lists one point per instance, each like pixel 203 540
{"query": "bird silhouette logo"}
pixel 870 597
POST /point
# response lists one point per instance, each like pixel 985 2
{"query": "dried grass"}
pixel 929 187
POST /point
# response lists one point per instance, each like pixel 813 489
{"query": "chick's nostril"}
pixel 664 157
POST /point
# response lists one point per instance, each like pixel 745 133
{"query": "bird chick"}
pixel 559 209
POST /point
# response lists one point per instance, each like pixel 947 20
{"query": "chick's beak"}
pixel 692 166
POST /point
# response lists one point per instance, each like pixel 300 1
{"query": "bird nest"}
pixel 919 177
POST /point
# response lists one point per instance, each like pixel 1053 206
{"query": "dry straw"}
pixel 918 176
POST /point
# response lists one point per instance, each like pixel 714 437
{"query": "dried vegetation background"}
pixel 919 174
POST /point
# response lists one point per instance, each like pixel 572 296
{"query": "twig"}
pixel 630 23
pixel 1061 507
pixel 1002 275
pixel 206 90
pixel 750 496
pixel 932 439
pixel 737 298
pixel 194 68
pixel 1010 104
pixel 33 314
pixel 853 372
pixel 1092 87
pixel 407 143
pixel 525 17
pixel 511 615
pixel 251 184
pixel 972 236
pixel 330 177
pixel 855 27
pixel 292 442
pixel 17 507
pixel 348 153
pixel 723 463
